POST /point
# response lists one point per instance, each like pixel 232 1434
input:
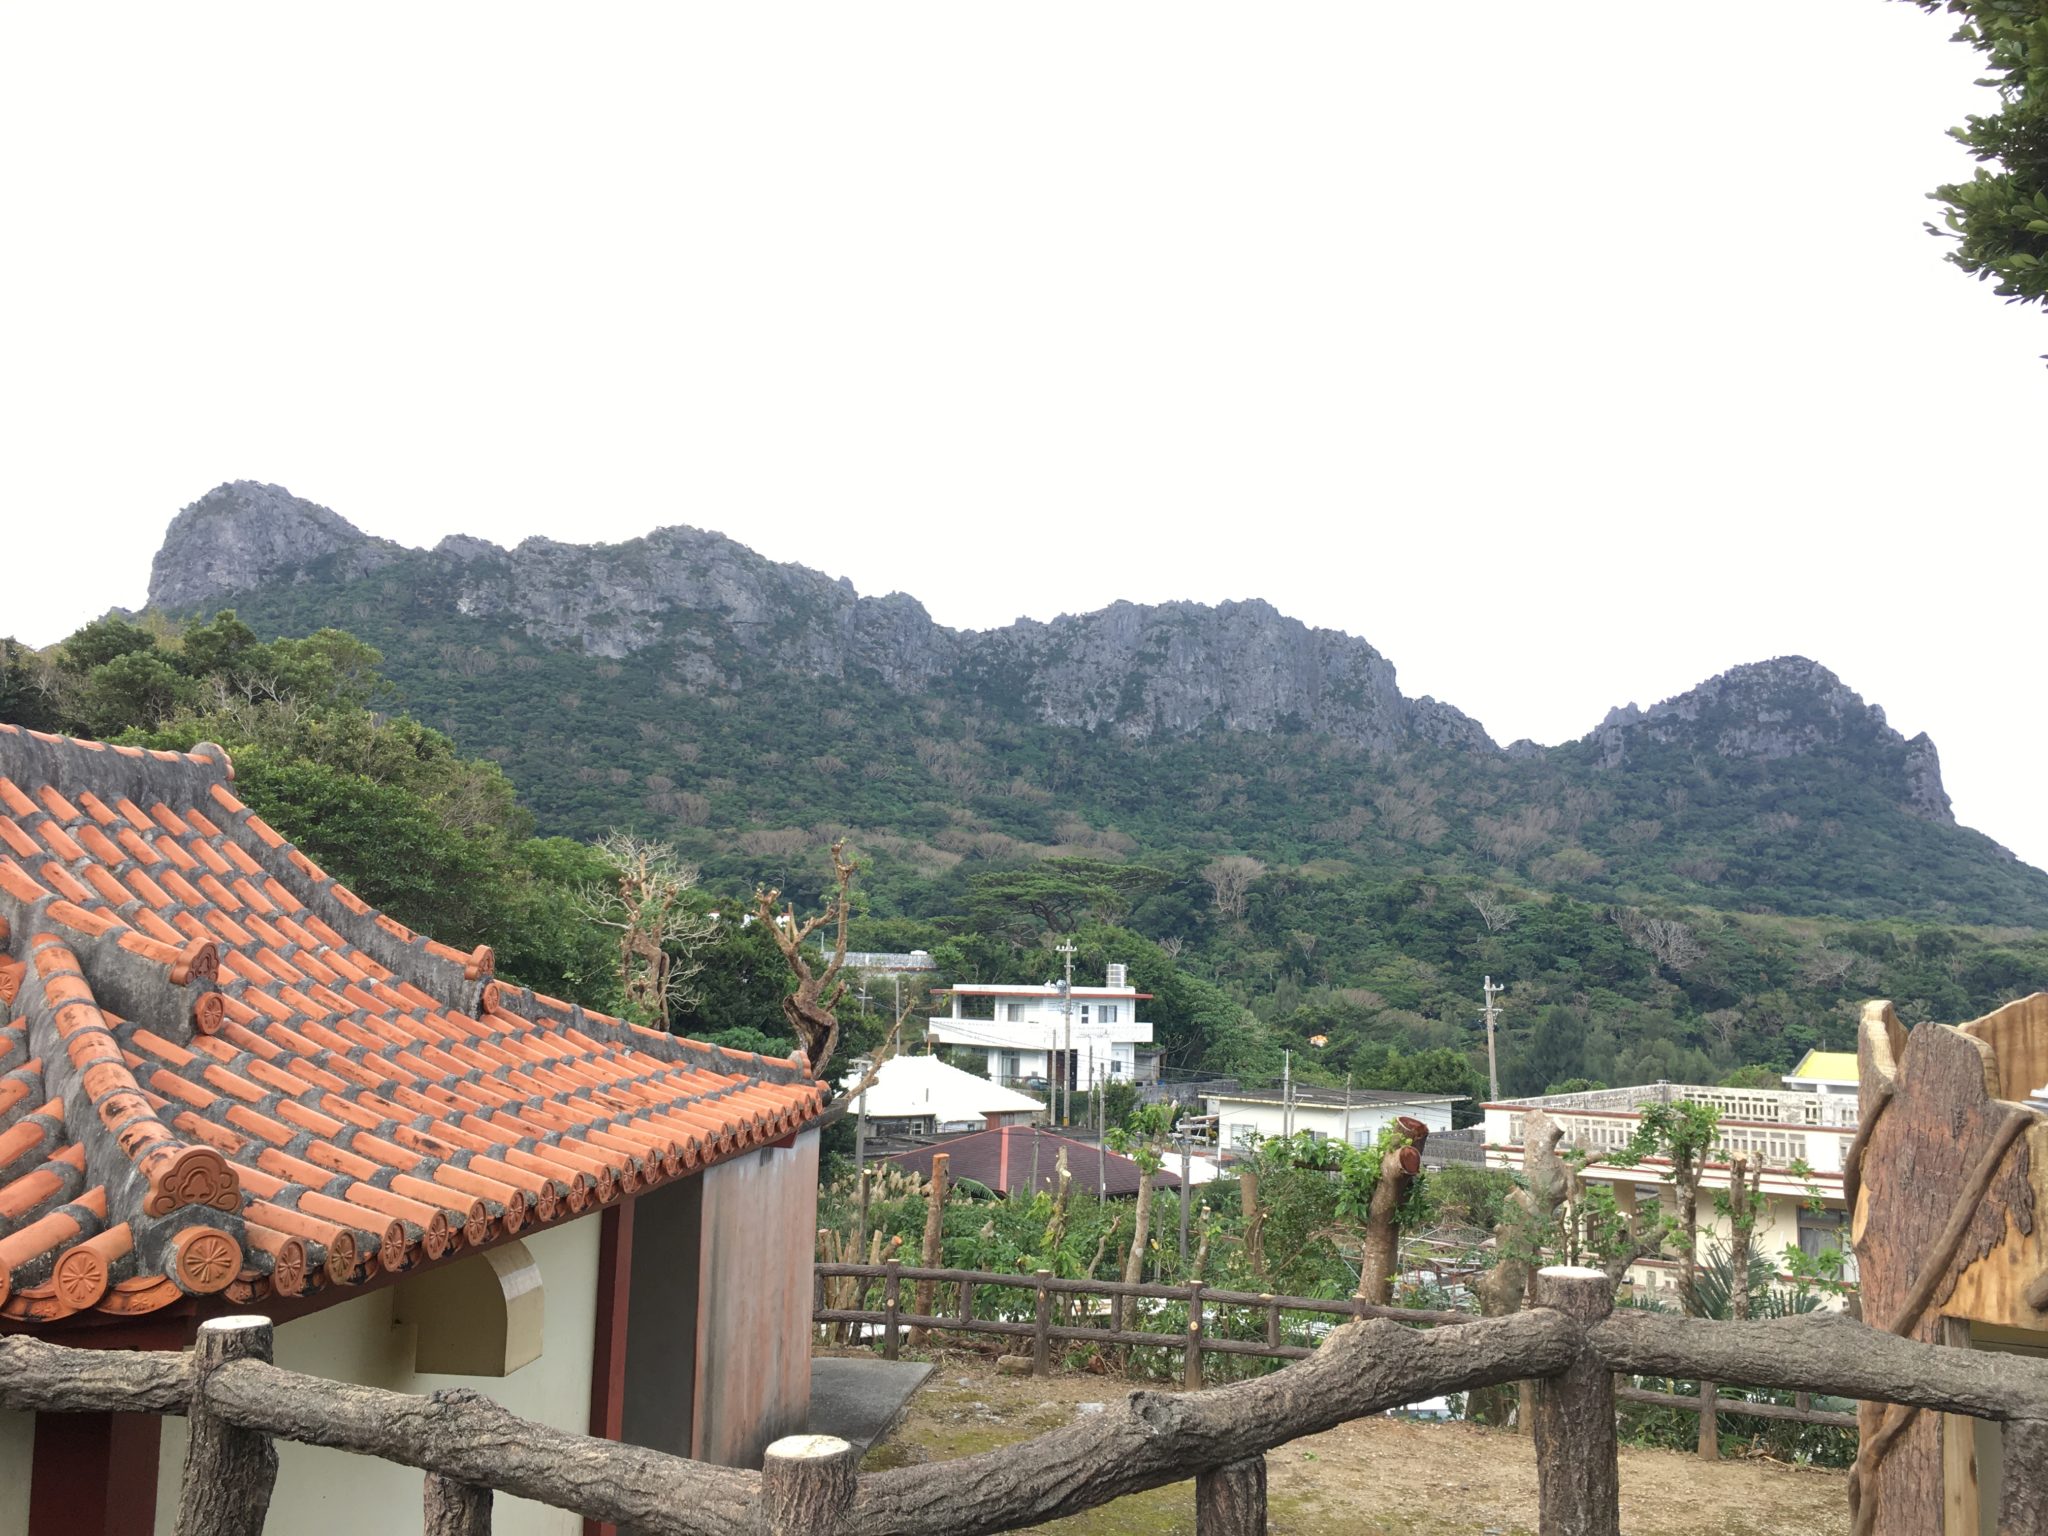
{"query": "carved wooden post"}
pixel 229 1472
pixel 1231 1501
pixel 456 1509
pixel 2023 1500
pixel 1191 1367
pixel 1710 1423
pixel 1577 1463
pixel 892 1304
pixel 806 1484
pixel 1041 1337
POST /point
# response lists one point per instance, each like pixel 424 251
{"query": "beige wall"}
pixel 330 1493
pixel 17 1448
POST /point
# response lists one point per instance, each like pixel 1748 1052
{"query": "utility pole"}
pixel 860 1169
pixel 1287 1093
pixel 1065 1080
pixel 1492 1065
pixel 1347 1109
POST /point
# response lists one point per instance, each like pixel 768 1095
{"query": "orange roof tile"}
pixel 220 1071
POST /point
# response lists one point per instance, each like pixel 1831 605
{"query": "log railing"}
pixel 468 1448
pixel 888 1323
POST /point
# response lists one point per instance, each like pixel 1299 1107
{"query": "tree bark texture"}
pixel 1741 1222
pixel 2023 1500
pixel 1382 1235
pixel 1154 1438
pixel 229 1470
pixel 1826 1352
pixel 933 1253
pixel 1231 1500
pixel 48 1378
pixel 456 1509
pixel 1578 1467
pixel 806 1483
pixel 463 1435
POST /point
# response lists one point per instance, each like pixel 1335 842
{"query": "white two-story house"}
pixel 1034 1037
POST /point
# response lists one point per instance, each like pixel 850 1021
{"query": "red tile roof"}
pixel 1024 1159
pixel 220 1071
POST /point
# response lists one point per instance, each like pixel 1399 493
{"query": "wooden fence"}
pixel 1570 1344
pixel 1051 1325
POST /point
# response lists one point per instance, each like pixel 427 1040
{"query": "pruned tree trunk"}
pixel 933 1254
pixel 1254 1223
pixel 1382 1234
pixel 1577 1458
pixel 807 1482
pixel 1141 1229
pixel 1526 1227
pixel 1741 1222
pixel 1231 1501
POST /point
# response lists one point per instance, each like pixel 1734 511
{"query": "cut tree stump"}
pixel 229 1472
pixel 1578 1472
pixel 807 1482
pixel 1231 1501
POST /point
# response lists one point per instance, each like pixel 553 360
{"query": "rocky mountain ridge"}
pixel 1132 671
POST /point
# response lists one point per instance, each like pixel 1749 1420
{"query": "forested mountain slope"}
pixel 1286 851
pixel 685 685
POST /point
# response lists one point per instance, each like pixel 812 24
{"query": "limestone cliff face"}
pixel 1782 708
pixel 1138 671
pixel 244 535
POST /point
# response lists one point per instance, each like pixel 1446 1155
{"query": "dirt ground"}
pixel 1388 1476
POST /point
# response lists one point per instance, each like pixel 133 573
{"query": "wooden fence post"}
pixel 1041 1338
pixel 817 1300
pixel 1710 1424
pixel 1578 1474
pixel 1272 1321
pixel 1191 1366
pixel 966 1302
pixel 1231 1500
pixel 456 1509
pixel 229 1472
pixel 806 1484
pixel 892 1306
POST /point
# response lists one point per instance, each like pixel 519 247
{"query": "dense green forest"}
pixel 1196 863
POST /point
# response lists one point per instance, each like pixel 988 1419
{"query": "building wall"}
pixel 17 1458
pixel 323 1492
pixel 760 1223
pixel 1365 1120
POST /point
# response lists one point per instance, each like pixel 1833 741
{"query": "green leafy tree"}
pixel 1999 217
pixel 1682 1134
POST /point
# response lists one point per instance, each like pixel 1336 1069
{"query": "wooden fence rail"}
pixel 1199 1337
pixel 469 1448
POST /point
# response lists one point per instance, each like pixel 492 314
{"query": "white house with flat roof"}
pixel 1246 1116
pixel 1799 1137
pixel 1037 1036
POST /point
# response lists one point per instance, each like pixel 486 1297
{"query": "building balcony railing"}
pixel 1769 1106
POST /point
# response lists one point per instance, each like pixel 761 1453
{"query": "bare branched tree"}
pixel 1494 909
pixel 1231 879
pixel 818 991
pixel 659 938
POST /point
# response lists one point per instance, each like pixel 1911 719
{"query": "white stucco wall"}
pixel 330 1493
pixel 17 1448
pixel 1236 1117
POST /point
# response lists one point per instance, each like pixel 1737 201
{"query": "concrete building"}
pixel 1798 1136
pixel 229 1086
pixel 1244 1116
pixel 1035 1037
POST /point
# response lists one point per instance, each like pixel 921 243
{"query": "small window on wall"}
pixel 1013 1013
pixel 1109 1013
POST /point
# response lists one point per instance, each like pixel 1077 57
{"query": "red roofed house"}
pixel 227 1085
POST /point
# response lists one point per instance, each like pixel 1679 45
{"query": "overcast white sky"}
pixel 1570 354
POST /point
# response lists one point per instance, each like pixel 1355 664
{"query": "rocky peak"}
pixel 245 534
pixel 1786 707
